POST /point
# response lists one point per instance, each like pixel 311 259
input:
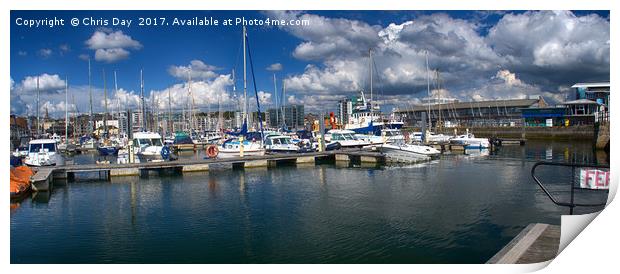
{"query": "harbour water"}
pixel 458 209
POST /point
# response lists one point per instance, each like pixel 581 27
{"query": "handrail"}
pixel 571 204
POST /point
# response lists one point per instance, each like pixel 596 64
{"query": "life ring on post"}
pixel 212 151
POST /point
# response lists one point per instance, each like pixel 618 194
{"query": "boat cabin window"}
pixel 156 142
pixel 42 147
pixel 285 141
pixel 338 137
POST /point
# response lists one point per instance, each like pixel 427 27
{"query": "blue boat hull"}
pixel 376 130
pixel 106 151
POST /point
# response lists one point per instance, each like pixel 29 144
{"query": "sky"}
pixel 472 55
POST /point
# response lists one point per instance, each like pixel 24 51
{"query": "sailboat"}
pixel 148 146
pixel 66 146
pixel 431 137
pixel 106 146
pixel 241 146
pixel 366 117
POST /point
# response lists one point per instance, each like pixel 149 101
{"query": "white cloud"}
pixel 64 48
pixel 106 40
pixel 553 39
pixel 274 67
pixel 529 53
pixel 45 53
pixel 22 53
pixel 199 71
pixel 111 55
pixel 47 82
pixel 111 46
pixel 84 57
pixel 205 93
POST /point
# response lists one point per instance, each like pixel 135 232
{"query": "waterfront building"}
pixel 345 109
pixel 293 116
pixel 596 92
pixel 491 113
pixel 19 128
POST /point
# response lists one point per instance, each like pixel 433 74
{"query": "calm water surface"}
pixel 459 209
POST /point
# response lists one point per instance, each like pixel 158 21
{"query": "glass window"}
pixel 156 142
pixel 50 147
pixel 35 147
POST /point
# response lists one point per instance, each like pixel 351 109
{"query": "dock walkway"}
pixel 536 243
pixel 45 175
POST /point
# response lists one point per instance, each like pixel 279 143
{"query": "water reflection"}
pixel 461 208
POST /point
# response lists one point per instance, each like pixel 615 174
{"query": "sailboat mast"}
pixel 370 70
pixel 118 103
pixel 190 99
pixel 245 81
pixel 38 116
pixel 428 90
pixel 143 107
pixel 67 110
pixel 275 92
pixel 283 103
pixel 170 122
pixel 105 102
pixel 90 100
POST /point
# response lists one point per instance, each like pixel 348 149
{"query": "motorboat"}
pixel 346 138
pixel 468 140
pixel 148 147
pixel 280 144
pixel 232 148
pixel 43 152
pixel 183 141
pixel 437 138
pixel 107 149
pixel 409 149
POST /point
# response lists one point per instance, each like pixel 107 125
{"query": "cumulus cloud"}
pixel 84 57
pixel 531 53
pixel 198 70
pixel 46 81
pixel 111 46
pixel 551 47
pixel 274 67
pixel 205 93
pixel 111 55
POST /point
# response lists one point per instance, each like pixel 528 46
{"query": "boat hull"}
pixel 107 151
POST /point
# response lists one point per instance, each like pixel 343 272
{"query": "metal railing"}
pixel 573 166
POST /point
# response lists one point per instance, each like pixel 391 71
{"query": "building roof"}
pixel 580 102
pixel 591 85
pixel 522 103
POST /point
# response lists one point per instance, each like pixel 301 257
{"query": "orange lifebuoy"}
pixel 212 151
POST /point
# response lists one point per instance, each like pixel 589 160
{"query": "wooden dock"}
pixel 536 243
pixel 45 175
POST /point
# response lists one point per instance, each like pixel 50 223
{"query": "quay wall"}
pixel 584 132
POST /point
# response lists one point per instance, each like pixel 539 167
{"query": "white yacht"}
pixel 470 141
pixel 346 138
pixel 403 152
pixel 148 146
pixel 43 152
pixel 232 148
pixel 280 144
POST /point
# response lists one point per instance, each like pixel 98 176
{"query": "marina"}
pixel 368 138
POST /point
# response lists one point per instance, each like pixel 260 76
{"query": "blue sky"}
pixel 477 53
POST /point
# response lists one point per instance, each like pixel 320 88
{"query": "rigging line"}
pixel 260 119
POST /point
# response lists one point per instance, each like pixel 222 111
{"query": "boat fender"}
pixel 165 152
pixel 212 151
